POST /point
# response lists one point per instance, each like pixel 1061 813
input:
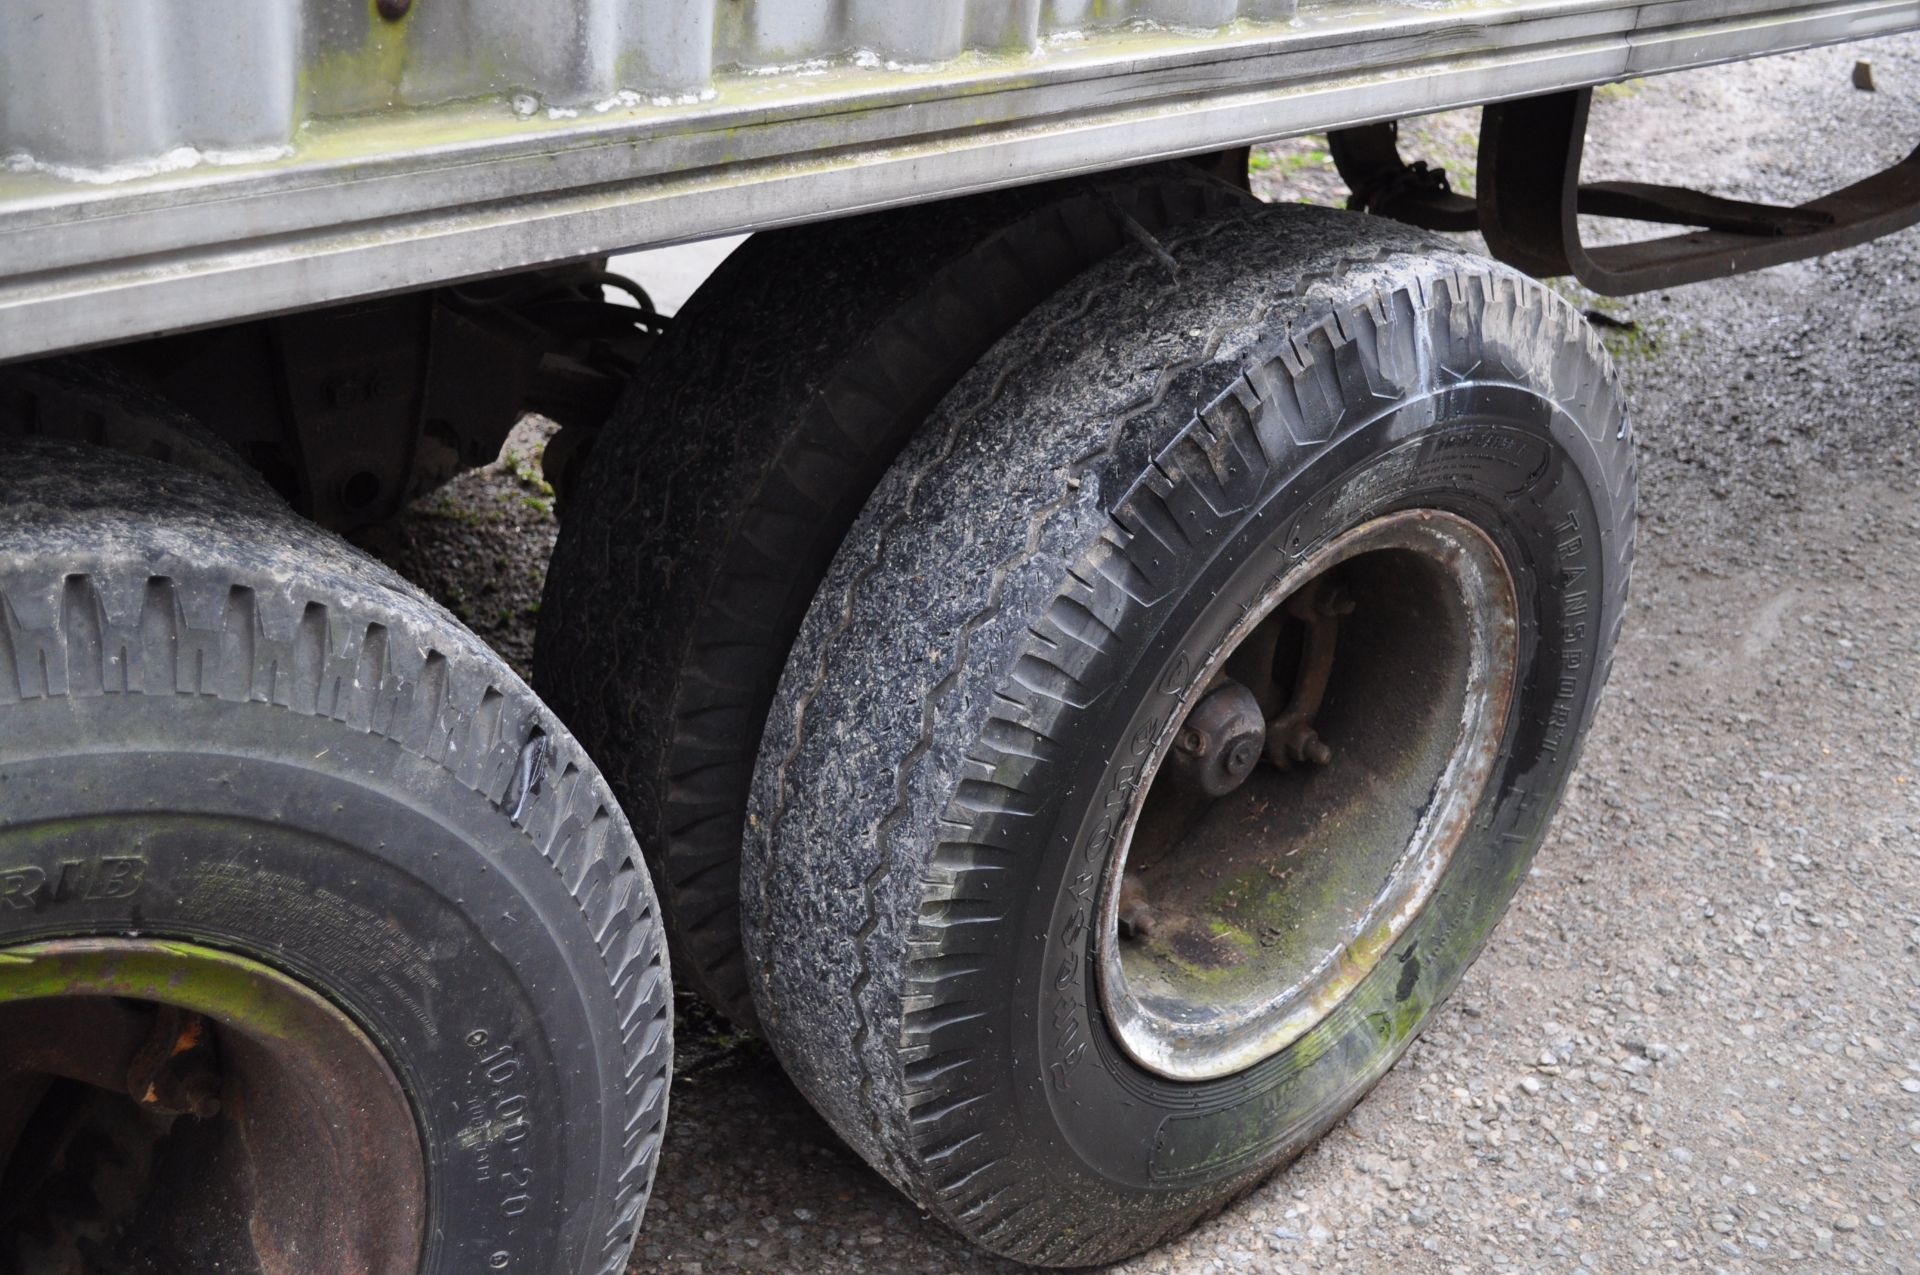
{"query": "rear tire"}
pixel 1009 641
pixel 87 400
pixel 231 743
pixel 736 462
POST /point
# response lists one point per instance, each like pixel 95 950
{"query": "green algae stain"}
pixel 359 76
pixel 221 985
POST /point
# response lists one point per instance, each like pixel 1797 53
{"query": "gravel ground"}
pixel 1696 1039
pixel 481 543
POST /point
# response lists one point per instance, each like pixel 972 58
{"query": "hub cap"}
pixel 1302 811
pixel 165 1106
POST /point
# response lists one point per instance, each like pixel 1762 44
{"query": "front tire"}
pixel 988 685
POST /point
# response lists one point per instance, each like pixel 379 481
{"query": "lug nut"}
pixel 1135 915
pixel 1137 922
pixel 1297 742
pixel 1220 743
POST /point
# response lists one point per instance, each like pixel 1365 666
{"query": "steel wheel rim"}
pixel 1204 998
pixel 229 1087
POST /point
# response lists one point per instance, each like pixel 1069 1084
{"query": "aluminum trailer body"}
pixel 176 163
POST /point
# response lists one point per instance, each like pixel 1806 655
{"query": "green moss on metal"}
pixel 355 77
pixel 1275 905
pixel 225 987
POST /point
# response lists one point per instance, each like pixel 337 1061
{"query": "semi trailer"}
pixel 1075 656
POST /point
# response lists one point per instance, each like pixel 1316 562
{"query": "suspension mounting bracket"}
pixel 1530 199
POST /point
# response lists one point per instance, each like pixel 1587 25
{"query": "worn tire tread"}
pixel 924 862
pixel 199 589
pixel 738 458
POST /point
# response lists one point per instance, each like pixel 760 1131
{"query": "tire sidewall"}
pixel 1527 474
pixel 348 862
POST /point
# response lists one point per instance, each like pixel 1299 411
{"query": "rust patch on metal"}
pixel 257 1129
pixel 1243 909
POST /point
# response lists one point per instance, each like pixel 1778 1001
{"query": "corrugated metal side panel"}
pixel 96 82
pixel 107 84
pixel 373 204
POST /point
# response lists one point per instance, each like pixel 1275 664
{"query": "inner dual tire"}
pixel 717 495
pixel 989 692
pixel 322 945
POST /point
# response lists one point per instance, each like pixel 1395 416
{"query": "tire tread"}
pixel 909 936
pixel 712 473
pixel 310 627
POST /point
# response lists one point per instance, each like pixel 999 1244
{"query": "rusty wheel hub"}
pixel 1302 812
pixel 170 1107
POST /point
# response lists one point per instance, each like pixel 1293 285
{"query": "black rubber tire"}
pixel 1080 522
pixel 741 454
pixel 85 399
pixel 289 752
